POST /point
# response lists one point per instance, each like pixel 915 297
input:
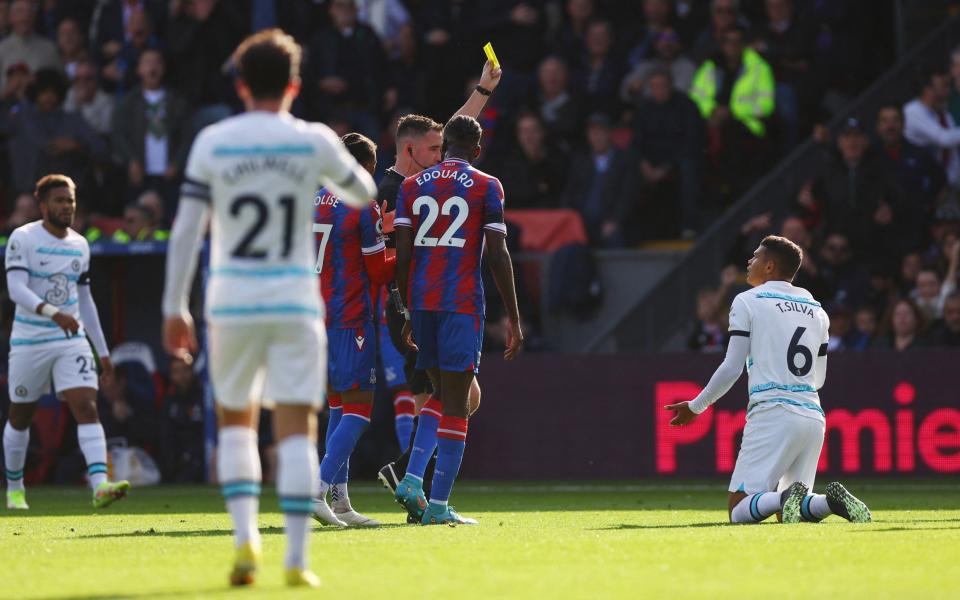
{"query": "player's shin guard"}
pixel 238 470
pixel 451 442
pixel 93 444
pixel 15 444
pixel 297 485
pixel 425 440
pixel 814 508
pixel 404 407
pixel 356 419
pixel 756 507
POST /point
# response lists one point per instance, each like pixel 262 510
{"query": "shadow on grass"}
pixel 150 594
pixel 629 526
pixel 222 532
pixel 888 529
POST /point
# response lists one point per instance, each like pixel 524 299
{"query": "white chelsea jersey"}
pixel 55 267
pixel 788 330
pixel 260 171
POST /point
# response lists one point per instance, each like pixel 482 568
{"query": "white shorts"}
pixel 283 362
pixel 779 447
pixel 35 369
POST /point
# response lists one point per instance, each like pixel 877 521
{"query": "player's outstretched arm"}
pixel 489 79
pixel 179 337
pixel 723 379
pixel 501 266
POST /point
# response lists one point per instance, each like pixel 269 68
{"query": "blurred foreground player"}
pixel 418 141
pixel 446 216
pixel 48 278
pixel 780 332
pixel 351 258
pixel 257 174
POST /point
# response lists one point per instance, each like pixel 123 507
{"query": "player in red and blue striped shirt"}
pixel 351 256
pixel 446 216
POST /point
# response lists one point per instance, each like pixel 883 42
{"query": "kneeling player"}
pixel 780 332
pixel 352 255
pixel 48 268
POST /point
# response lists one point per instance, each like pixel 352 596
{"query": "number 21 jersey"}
pixel 260 171
pixel 448 207
pixel 788 331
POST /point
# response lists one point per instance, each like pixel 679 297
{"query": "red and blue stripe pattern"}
pixel 343 237
pixel 448 208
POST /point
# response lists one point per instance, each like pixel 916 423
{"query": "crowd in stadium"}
pixel 645 117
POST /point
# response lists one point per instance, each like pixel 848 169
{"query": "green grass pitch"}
pixel 628 540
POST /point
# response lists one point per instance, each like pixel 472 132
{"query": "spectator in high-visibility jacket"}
pixel 736 85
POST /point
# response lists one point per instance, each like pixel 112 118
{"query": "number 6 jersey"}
pixel 788 333
pixel 260 171
pixel 449 206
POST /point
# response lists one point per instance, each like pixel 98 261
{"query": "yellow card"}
pixel 491 55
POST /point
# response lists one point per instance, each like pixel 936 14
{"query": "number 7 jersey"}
pixel 260 172
pixel 788 333
pixel 449 206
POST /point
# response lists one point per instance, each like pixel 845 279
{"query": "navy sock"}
pixel 356 419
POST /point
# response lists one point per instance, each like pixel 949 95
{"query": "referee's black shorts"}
pixel 417 379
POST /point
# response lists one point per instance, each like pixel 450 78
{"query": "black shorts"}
pixel 417 379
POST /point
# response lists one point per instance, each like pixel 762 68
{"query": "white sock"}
pixel 15 444
pixel 322 489
pixel 238 470
pixel 297 485
pixel 819 507
pixel 93 444
pixel 340 498
pixel 756 507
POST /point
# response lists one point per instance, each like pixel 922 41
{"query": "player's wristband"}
pixel 483 90
pixel 49 310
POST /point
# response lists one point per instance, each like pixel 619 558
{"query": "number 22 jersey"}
pixel 448 207
pixel 260 171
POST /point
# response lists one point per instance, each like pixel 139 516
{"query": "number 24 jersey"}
pixel 448 207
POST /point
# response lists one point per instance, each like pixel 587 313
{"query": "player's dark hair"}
pixel 361 148
pixel 416 125
pixel 785 254
pixel 267 62
pixel 462 135
pixel 50 182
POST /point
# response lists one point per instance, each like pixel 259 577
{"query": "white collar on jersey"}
pixel 456 160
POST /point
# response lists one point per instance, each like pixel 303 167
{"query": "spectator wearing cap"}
pixel 602 185
pixel 734 91
pixel 151 131
pixel 668 54
pixel 43 138
pixel 916 170
pixel 946 331
pixel 668 139
pixel 535 172
pixel 23 45
pixel 86 97
pixel 856 194
pixel 560 107
pixel 928 124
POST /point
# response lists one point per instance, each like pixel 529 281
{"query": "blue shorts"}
pixel 448 341
pixel 391 359
pixel 352 359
